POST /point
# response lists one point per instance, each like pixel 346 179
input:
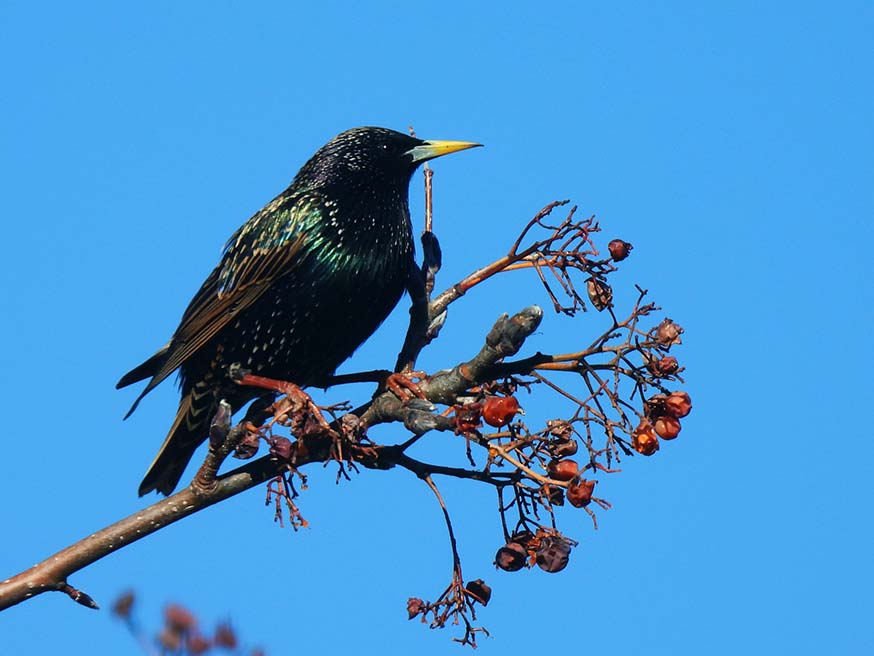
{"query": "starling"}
pixel 299 286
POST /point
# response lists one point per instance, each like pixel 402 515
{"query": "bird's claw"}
pixel 405 385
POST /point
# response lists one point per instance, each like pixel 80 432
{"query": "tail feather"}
pixel 148 369
pixel 188 431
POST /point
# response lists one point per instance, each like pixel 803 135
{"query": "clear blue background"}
pixel 731 143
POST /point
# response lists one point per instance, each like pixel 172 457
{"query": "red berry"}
pixel 667 427
pixel 579 493
pixel 644 439
pixel 499 410
pixel 678 404
pixel 619 249
pixel 562 470
pixel 511 557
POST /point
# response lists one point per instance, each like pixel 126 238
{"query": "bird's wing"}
pixel 267 247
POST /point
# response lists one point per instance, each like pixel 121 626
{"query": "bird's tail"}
pixel 189 430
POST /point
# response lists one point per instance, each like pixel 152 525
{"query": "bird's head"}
pixel 371 157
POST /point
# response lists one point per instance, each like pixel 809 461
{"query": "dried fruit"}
pixel 668 333
pixel 678 404
pixel 169 639
pixel 511 557
pixel 560 429
pixel 665 366
pixel 225 636
pixel 579 492
pixel 280 447
pixel 467 417
pixel 414 607
pixel 562 470
pixel 553 554
pixel 123 605
pixel 480 590
pixel 619 249
pixel 599 293
pixel 197 644
pixel 248 446
pixel 667 427
pixel 644 439
pixel 563 448
pixel 179 619
pixel 499 410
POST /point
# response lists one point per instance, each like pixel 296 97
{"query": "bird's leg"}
pixel 418 328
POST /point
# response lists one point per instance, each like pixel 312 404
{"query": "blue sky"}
pixel 730 143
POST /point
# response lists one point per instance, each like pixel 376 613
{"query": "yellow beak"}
pixel 432 149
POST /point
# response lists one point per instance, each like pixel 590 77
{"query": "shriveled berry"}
pixel 665 366
pixel 280 447
pixel 414 607
pixel 678 404
pixel 667 427
pixel 480 590
pixel 553 554
pixel 248 446
pixel 619 249
pixel 668 333
pixel 599 293
pixel 563 448
pixel 511 557
pixel 499 410
pixel 179 619
pixel 225 636
pixel 123 605
pixel 560 429
pixel 197 644
pixel 644 439
pixel 579 492
pixel 562 470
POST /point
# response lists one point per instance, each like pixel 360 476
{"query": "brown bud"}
pixel 678 404
pixel 667 427
pixel 280 447
pixel 225 636
pixel 480 591
pixel 197 644
pixel 123 605
pixel 563 448
pixel 579 492
pixel 668 333
pixel 562 470
pixel 511 557
pixel 599 293
pixel 414 607
pixel 619 249
pixel 500 410
pixel 644 439
pixel 553 554
pixel 179 619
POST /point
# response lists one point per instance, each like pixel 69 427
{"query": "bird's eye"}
pixel 383 147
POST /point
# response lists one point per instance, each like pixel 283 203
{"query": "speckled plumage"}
pixel 299 287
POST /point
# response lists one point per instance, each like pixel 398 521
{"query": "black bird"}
pixel 299 286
